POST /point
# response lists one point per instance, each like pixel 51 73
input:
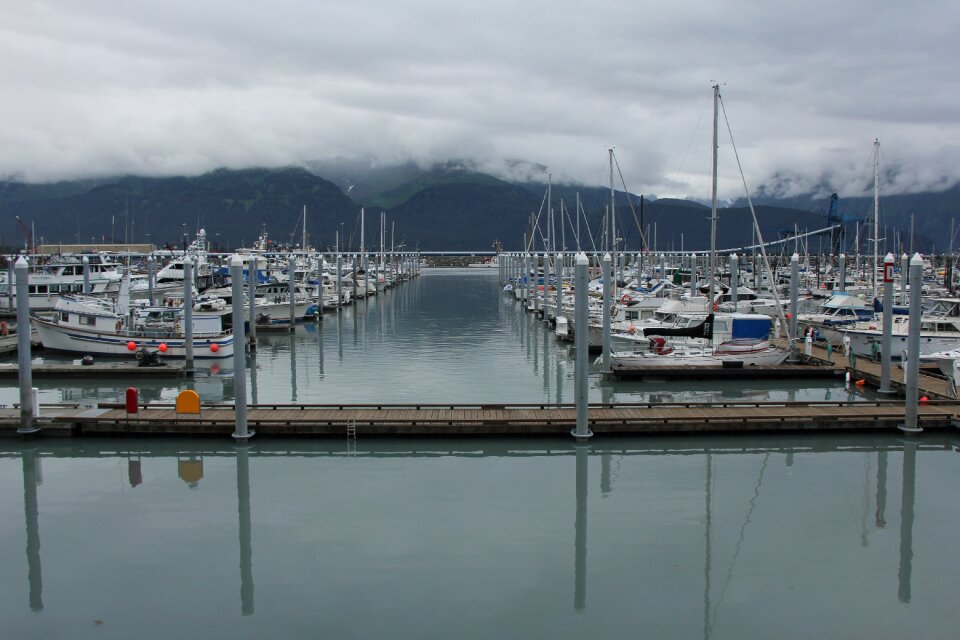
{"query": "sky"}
pixel 180 87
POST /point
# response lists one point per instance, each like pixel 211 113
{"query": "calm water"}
pixel 779 537
pixel 449 336
pixel 734 537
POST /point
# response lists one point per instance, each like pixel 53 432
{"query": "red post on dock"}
pixel 132 400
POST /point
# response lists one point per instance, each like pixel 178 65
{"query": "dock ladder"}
pixel 352 438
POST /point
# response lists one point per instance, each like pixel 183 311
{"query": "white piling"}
pixel 239 354
pixel 582 347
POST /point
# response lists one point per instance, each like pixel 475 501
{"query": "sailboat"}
pixel 744 340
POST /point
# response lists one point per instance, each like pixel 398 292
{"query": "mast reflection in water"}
pixel 718 537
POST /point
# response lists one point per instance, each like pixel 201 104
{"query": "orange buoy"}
pixel 860 382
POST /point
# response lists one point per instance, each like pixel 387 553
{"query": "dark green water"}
pixel 779 537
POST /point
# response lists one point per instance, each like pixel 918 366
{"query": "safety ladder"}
pixel 352 438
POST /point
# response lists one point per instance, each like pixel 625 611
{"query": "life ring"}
pixel 716 306
pixel 626 299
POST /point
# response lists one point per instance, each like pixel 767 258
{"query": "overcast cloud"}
pixel 106 87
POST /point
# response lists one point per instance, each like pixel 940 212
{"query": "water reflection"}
pixel 582 451
pixel 243 527
pixel 727 500
pixel 293 366
pixel 32 478
pixel 905 571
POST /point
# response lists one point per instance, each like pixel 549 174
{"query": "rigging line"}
pixel 743 533
pixel 756 225
pixel 636 221
pixel 693 135
pixel 587 226
pixel 536 223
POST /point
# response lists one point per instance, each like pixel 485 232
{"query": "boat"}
pixel 838 312
pixel 744 341
pixel 95 326
pixel 939 331
pixel 64 275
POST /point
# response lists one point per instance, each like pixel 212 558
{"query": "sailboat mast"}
pixel 876 210
pixel 303 242
pixel 713 198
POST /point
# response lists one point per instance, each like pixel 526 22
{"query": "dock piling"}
pixel 887 339
pixel 239 353
pixel 913 346
pixel 86 275
pixel 188 312
pixel 582 346
pixel 252 290
pixel 607 309
pixel 22 269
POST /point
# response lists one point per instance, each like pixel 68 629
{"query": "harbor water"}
pixel 784 536
pixel 714 537
pixel 448 336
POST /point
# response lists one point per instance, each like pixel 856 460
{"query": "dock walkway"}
pixel 486 420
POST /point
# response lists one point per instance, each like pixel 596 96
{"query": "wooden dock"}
pixel 931 383
pixel 487 420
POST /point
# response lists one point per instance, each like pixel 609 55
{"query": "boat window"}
pixel 88 321
pixel 64 316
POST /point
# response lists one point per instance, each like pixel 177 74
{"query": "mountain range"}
pixel 446 207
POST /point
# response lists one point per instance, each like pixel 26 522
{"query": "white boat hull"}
pixel 117 344
pixel 760 353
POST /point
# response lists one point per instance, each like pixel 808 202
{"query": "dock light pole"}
pixel 734 278
pixel 22 270
pixel 252 292
pixel 794 290
pixel 693 276
pixel 10 289
pixel 905 277
pixel 339 281
pixel 151 277
pixel 913 346
pixel 887 339
pixel 291 286
pixel 559 311
pixel 86 275
pixel 581 341
pixel 843 272
pixel 607 307
pixel 526 281
pixel 239 354
pixel 536 282
pixel 188 312
pixel 547 272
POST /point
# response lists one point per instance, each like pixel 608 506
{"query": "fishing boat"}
pixel 95 326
